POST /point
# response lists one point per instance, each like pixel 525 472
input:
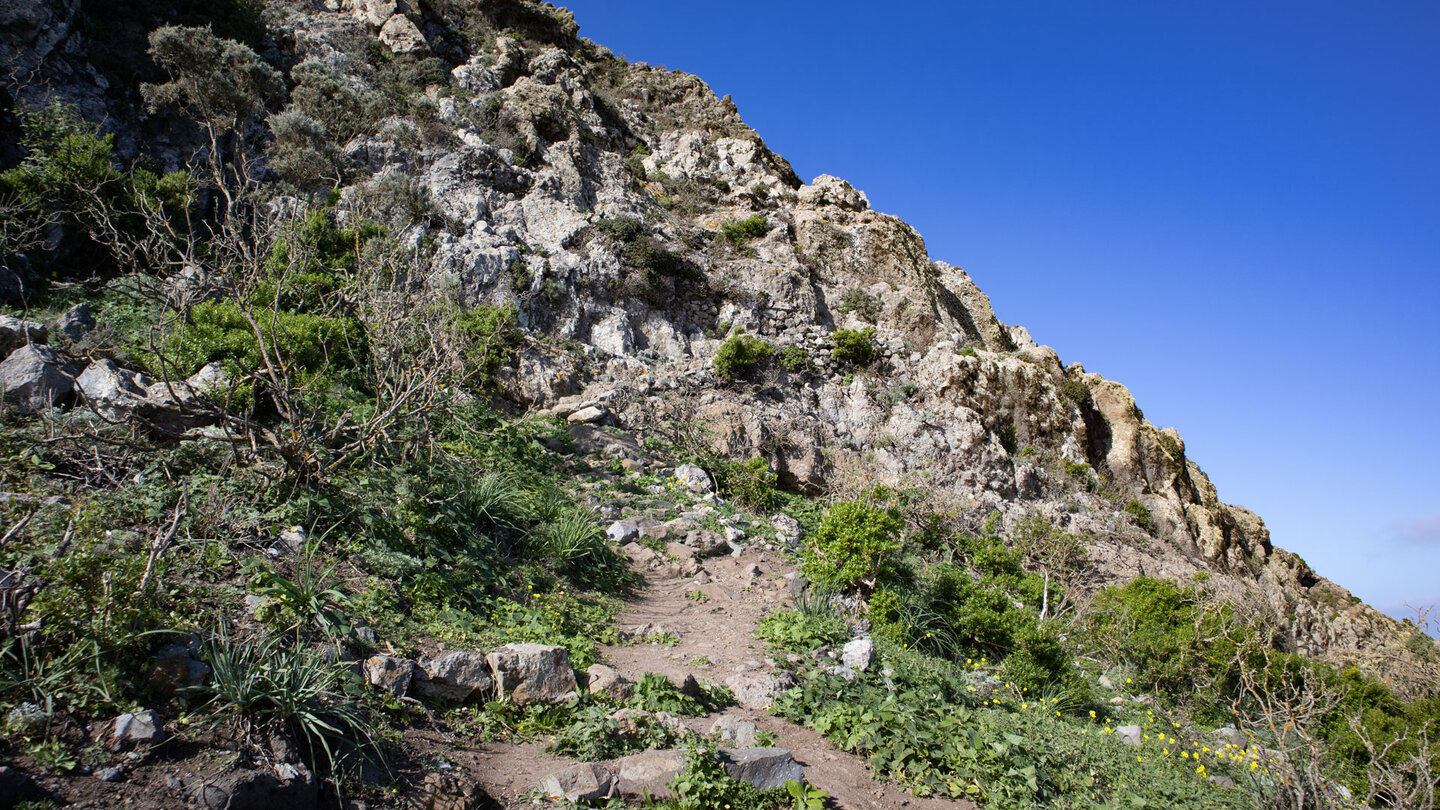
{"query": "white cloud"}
pixel 1418 531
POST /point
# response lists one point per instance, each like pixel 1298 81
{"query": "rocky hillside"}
pixel 477 205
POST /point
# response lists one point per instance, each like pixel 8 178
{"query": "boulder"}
pixel 111 390
pixel 77 322
pixel 35 377
pixel 1229 735
pixel 858 654
pixel 375 12
pixel 138 728
pixel 649 773
pixel 15 333
pixel 588 415
pixel 765 768
pixel 606 682
pixel 247 789
pixel 734 732
pixel 456 676
pixel 580 783
pixel 533 673
pixel 401 35
pixel 706 543
pixel 446 790
pixel 394 674
pixel 694 479
pixel 787 529
pixel 756 690
pixel 621 532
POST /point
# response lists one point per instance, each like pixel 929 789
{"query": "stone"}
pixel 26 720
pixel 77 322
pixel 394 674
pixel 580 783
pixel 765 768
pixel 138 728
pixel 375 12
pixel 401 35
pixel 680 551
pixel 858 653
pixel 1229 735
pixel 694 479
pixel 787 529
pixel 456 676
pixel 592 414
pixel 1130 735
pixel 734 534
pixel 177 666
pixel 649 772
pixel 15 786
pixel 247 789
pixel 636 721
pixel 756 690
pixel 1107 683
pixel 798 585
pixel 15 333
pixel 1224 782
pixel 35 377
pixel 110 774
pixel 734 732
pixel 621 532
pixel 533 673
pixel 706 543
pixel 446 790
pixel 111 390
pixel 605 682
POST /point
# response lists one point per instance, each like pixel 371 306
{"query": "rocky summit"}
pixel 404 361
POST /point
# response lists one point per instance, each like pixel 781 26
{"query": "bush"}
pixel 643 253
pixel 738 356
pixel 795 360
pixel 1137 512
pixel 739 232
pixel 861 303
pixel 1076 392
pixel 855 347
pixel 850 546
pixel 750 483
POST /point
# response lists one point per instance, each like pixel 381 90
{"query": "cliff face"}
pixel 534 143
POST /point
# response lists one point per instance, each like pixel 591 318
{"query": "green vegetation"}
pixel 740 354
pixel 854 347
pixel 1138 513
pixel 795 360
pixel 852 543
pixel 750 483
pixel 802 632
pixel 861 303
pixel 657 264
pixel 739 232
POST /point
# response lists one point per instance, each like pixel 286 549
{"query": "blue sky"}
pixel 1233 209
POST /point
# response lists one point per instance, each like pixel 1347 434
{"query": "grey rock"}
pixel 1220 780
pixel 706 543
pixel 649 772
pixel 734 534
pixel 36 377
pixel 606 682
pixel 1130 735
pixel 621 532
pixel 111 390
pixel 15 333
pixel 734 732
pixel 694 479
pixel 757 690
pixel 588 416
pixel 401 35
pixel 533 673
pixel 842 672
pixel 765 768
pixel 587 781
pixel 456 676
pixel 26 720
pixel 138 728
pixel 395 674
pixel 1229 735
pixel 858 653
pixel 787 529
pixel 798 585
pixel 77 322
pixel 110 774
pixel 247 789
pixel 1106 682
pixel 15 785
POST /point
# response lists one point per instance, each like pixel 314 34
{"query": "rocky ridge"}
pixel 539 141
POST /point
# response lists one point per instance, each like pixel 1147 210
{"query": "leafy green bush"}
pixel 704 784
pixel 795 360
pixel 1137 512
pixel 645 254
pixel 848 549
pixel 854 347
pixel 1005 432
pixel 738 356
pixel 750 483
pixel 739 232
pixel 800 632
pixel 655 693
pixel 861 303
pixel 594 737
pixel 1076 392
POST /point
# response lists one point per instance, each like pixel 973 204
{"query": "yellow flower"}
pixel 1165 751
pixel 1092 714
pixel 1139 759
pixel 1185 754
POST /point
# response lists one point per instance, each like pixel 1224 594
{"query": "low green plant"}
pixel 1077 392
pixel 794 631
pixel 861 303
pixel 703 784
pixel 655 693
pixel 750 483
pixel 309 600
pixel 795 360
pixel 854 347
pixel 804 797
pixel 739 232
pixel 594 736
pixel 739 355
pixel 1138 513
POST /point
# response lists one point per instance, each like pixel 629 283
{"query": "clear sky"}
pixel 1231 208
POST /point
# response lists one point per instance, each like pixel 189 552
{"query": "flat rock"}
pixel 649 772
pixel 138 728
pixel 756 690
pixel 606 682
pixel 247 789
pixel 1130 735
pixel 706 543
pixel 401 35
pixel 765 768
pixel 587 781
pixel 587 416
pixel 621 532
pixel 533 673
pixel 734 732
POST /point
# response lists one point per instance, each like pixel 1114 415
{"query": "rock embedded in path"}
pixel 757 690
pixel 765 768
pixel 649 773
pixel 138 728
pixel 734 732
pixel 606 682
pixel 533 673
pixel 587 781
pixel 622 532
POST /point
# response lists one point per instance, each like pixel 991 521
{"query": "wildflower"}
pixel 1185 754
pixel 1092 714
pixel 1165 751
pixel 1139 759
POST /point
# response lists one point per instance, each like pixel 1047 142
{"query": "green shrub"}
pixel 593 736
pixel 738 356
pixel 704 784
pixel 739 232
pixel 861 303
pixel 852 542
pixel 1076 392
pixel 655 693
pixel 795 360
pixel 1005 432
pixel 1137 512
pixel 750 483
pixel 642 253
pixel 855 347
